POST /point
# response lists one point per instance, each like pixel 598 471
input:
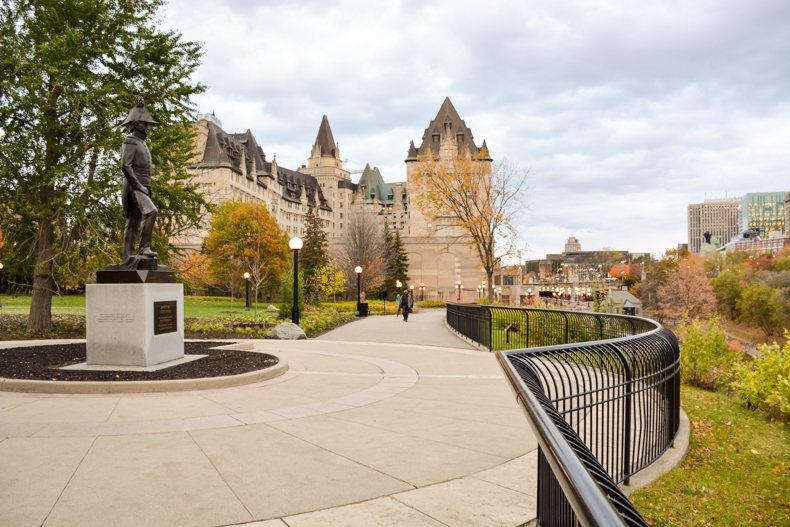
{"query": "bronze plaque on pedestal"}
pixel 165 317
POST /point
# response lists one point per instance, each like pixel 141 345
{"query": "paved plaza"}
pixel 379 422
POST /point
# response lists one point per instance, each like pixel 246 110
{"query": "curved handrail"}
pixel 601 390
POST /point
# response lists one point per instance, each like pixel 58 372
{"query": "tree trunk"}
pixel 40 318
pixel 490 278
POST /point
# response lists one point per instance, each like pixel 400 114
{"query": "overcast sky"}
pixel 623 112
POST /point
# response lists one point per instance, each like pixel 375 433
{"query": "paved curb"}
pixel 669 461
pixel 469 341
pixel 180 385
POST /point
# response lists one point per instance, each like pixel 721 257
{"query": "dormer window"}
pixel 459 138
pixel 435 138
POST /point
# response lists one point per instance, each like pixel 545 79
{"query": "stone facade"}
pixel 233 166
pixel 441 253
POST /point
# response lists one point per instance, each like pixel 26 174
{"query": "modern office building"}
pixel 787 214
pixel 763 213
pixel 714 221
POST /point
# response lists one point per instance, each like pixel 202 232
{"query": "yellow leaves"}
pixel 701 429
pixel 244 236
pixel 193 269
pixel 330 281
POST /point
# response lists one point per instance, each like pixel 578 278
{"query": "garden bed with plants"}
pixel 737 470
pixel 43 363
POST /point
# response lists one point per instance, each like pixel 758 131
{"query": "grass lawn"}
pixel 194 306
pixel 61 305
pixel 737 471
pixel 207 307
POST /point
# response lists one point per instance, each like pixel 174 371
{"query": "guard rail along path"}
pixel 601 391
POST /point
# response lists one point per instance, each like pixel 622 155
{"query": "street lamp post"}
pixel 422 291
pixel 295 244
pixel 1 282
pixel 358 270
pixel 529 295
pixel 247 291
pixel 458 285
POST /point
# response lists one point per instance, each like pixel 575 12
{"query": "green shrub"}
pixel 765 382
pixel 316 321
pixel 705 358
pixel 431 303
pixel 287 294
pixel 14 327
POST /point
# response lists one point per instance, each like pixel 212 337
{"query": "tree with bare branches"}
pixel 480 197
pixel 687 291
pixel 364 247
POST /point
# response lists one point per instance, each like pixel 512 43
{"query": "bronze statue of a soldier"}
pixel 138 208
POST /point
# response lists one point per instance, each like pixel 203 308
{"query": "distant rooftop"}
pixel 210 117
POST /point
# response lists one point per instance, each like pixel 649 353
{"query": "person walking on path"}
pixel 397 303
pixel 406 304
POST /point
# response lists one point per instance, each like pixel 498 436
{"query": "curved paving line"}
pixel 139 387
pixel 396 378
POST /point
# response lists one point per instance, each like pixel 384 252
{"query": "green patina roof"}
pixel 375 189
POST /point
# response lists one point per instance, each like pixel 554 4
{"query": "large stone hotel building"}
pixel 233 166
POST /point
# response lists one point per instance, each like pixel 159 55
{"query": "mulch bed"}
pixel 42 363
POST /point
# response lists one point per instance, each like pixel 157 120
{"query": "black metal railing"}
pixel 601 391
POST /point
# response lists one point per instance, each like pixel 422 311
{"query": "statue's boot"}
pixel 146 251
pixel 145 235
pixel 129 236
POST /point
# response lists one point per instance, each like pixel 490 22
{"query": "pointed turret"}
pixel 447 125
pixel 325 140
pixel 485 152
pixel 412 155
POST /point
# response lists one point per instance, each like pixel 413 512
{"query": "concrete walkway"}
pixel 379 422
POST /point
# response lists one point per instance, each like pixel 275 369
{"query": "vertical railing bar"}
pixel 628 413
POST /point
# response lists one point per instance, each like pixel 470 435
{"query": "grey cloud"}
pixel 623 112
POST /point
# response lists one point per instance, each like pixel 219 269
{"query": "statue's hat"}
pixel 139 113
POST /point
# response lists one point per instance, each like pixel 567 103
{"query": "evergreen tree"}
pixel 389 269
pixel 398 261
pixel 313 255
pixel 69 72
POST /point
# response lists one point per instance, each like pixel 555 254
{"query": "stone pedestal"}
pixel 134 324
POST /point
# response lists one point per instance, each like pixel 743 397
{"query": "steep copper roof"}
pixel 325 139
pixel 446 122
pixel 375 190
pixel 295 184
pixel 224 149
